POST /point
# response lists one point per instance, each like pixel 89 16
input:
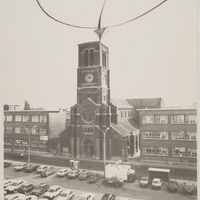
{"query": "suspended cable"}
pixel 133 19
pixel 99 22
pixel 61 22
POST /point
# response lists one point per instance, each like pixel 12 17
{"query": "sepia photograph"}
pixel 100 99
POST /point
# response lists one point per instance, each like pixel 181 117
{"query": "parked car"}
pixel 113 181
pixel 6 164
pixel 41 168
pixel 65 195
pixel 31 168
pixel 43 198
pixel 73 174
pixel 11 197
pixel 24 197
pixel 53 192
pixel 63 172
pixel 88 196
pixel 84 174
pixel 7 183
pixel 144 181
pixel 108 196
pixel 20 167
pixel 94 177
pixel 14 186
pixel 47 172
pixel 157 183
pixel 21 155
pixel 25 188
pixel 40 189
pixel 32 197
pixel 188 188
pixel 172 186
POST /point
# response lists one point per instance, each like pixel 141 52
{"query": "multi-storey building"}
pixel 168 135
pixel 40 125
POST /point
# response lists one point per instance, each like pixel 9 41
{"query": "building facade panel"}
pixel 19 124
pixel 168 134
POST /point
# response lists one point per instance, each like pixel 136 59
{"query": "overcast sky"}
pixel 155 56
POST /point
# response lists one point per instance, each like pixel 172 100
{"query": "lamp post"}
pixel 104 145
pixel 29 139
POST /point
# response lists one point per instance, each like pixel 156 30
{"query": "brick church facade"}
pixel 94 115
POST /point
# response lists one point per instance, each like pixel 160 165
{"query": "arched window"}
pixel 86 61
pixel 91 57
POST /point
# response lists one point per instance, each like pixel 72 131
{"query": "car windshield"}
pixel 14 184
pixel 172 182
pixel 51 190
pixel 144 178
pixel 63 194
pixel 188 184
pixel 156 181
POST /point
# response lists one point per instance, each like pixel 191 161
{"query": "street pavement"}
pixel 129 190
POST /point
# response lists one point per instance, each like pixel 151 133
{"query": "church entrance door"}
pixel 89 149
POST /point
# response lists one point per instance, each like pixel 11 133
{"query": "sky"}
pixel 155 56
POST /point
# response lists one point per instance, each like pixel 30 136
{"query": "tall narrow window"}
pixel 18 118
pixel 177 119
pixel 17 130
pixel 9 118
pixel 43 118
pixel 104 58
pixel 25 118
pixel 86 61
pixel 191 119
pixel 148 119
pixel 91 57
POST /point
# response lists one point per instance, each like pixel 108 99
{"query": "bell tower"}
pixel 93 73
pixel 91 115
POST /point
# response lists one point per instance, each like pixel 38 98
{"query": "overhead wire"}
pixel 59 21
pixel 139 16
pixel 99 23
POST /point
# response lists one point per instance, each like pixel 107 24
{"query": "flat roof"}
pixel 31 111
pixel 173 108
pixel 158 170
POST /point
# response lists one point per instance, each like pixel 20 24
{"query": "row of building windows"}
pixel 26 118
pixel 176 151
pixel 25 143
pixel 164 119
pixel 164 135
pixel 125 114
pixel 19 130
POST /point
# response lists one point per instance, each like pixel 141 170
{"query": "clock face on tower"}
pixel 88 115
pixel 89 77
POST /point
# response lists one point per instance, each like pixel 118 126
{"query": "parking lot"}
pixel 129 190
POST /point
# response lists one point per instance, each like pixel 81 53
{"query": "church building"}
pixel 96 129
